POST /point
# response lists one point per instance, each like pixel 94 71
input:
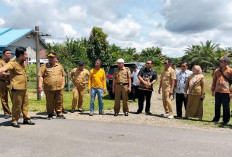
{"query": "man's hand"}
pixel 129 89
pixel 40 89
pixel 171 92
pixel 137 82
pixel 185 95
pixel 159 91
pixel 213 93
pixel 202 97
pixel 104 90
pixel 113 90
pixel 88 90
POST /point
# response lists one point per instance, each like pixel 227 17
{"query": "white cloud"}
pixel 2 21
pixel 124 29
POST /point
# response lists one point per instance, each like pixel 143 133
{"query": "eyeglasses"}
pixel 183 66
pixel 148 63
pixel 223 61
pixel 165 63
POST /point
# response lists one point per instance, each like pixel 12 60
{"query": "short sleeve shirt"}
pixel 52 76
pixel 2 64
pixel 122 75
pixel 167 77
pixel 18 75
pixel 181 78
pixel 148 75
pixel 79 77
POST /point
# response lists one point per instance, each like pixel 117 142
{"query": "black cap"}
pixel 81 63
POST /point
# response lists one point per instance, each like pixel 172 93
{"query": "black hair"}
pixel 98 60
pixel 169 61
pixel 184 63
pixel 4 51
pixel 20 51
pixel 151 61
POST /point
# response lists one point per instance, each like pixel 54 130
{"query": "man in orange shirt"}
pixel 97 86
pixel 221 90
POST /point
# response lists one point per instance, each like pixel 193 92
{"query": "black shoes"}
pixel 79 110
pixel 15 125
pixel 148 113
pixel 72 111
pixel 28 122
pixel 115 114
pixel 126 114
pixel 138 112
pixel 50 117
pixel 65 112
pixel 60 117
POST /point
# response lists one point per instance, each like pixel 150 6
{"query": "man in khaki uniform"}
pixel 5 83
pixel 78 77
pixel 19 94
pixel 53 76
pixel 167 83
pixel 121 86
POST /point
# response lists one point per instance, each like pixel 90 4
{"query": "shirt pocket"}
pixel 19 71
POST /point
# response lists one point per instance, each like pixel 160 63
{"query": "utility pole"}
pixel 37 60
pixel 37 35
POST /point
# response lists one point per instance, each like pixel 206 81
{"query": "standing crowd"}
pixel 188 87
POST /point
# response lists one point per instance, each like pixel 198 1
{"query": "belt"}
pixel 5 81
pixel 122 84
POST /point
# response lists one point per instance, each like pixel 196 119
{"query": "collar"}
pixel 19 61
pixel 168 69
pixel 122 68
pixel 147 69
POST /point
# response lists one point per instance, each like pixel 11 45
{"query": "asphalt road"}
pixel 62 138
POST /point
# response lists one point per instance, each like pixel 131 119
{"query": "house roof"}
pixel 9 36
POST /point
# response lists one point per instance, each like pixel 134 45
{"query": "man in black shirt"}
pixel 147 77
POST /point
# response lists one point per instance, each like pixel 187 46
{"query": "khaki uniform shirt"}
pixel 4 79
pixel 18 75
pixel 167 77
pixel 122 75
pixel 52 76
pixel 79 77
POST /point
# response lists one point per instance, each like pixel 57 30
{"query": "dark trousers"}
pixel 142 95
pixel 134 92
pixel 224 99
pixel 180 99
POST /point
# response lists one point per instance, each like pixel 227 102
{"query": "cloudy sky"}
pixel 169 24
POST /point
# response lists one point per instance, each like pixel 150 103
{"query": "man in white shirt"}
pixel 181 78
pixel 135 83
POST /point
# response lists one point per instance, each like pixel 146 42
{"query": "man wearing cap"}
pixel 167 83
pixel 221 90
pixel 121 86
pixel 18 86
pixel 5 83
pixel 52 75
pixel 79 78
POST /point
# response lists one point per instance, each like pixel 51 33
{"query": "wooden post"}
pixel 37 60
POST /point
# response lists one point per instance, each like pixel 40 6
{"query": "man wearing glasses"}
pixel 181 78
pixel 221 90
pixel 79 77
pixel 167 83
pixel 147 77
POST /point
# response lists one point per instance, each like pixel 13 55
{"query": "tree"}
pixel 154 54
pixel 98 47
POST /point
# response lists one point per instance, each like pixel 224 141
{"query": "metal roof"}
pixel 9 36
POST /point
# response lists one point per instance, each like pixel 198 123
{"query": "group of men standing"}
pixel 13 80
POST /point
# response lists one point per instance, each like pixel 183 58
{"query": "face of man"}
pixel 97 64
pixel 134 69
pixel 120 65
pixel 7 55
pixel 166 64
pixel 223 63
pixel 148 64
pixel 174 66
pixel 81 67
pixel 24 56
pixel 52 60
pixel 184 67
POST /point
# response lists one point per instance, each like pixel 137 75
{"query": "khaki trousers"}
pixel 4 89
pixel 54 101
pixel 19 104
pixel 167 103
pixel 78 94
pixel 121 91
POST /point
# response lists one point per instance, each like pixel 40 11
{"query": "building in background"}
pixel 13 38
